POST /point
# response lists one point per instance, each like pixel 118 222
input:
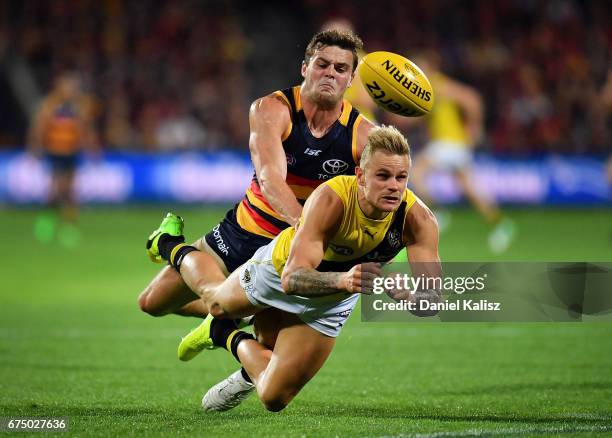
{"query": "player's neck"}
pixel 367 208
pixel 319 118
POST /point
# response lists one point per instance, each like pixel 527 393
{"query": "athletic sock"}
pixel 173 249
pixel 245 375
pixel 224 333
pixel 167 243
pixel 236 338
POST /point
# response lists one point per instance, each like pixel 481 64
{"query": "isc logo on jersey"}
pixel 396 84
pixel 312 152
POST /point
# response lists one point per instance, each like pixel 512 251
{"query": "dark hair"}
pixel 345 39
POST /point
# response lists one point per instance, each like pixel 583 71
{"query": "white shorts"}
pixel 262 284
pixel 448 155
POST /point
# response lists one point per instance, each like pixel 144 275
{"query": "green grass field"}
pixel 73 343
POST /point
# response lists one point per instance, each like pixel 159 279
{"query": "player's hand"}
pixel 360 279
pixel 397 293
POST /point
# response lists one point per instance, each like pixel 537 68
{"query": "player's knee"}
pixel 216 310
pixel 145 304
pixel 275 403
pixel 274 400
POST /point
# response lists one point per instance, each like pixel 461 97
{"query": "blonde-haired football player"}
pixel 300 136
pixel 349 226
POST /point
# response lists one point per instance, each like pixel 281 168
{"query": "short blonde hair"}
pixel 387 139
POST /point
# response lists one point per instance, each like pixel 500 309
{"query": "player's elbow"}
pixel 286 281
pixel 269 178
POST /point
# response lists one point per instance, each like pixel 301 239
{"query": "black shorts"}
pixel 62 163
pixel 233 243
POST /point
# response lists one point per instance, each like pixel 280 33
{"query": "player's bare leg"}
pixel 279 375
pixel 168 292
pixel 486 208
pixel 238 386
pixel 503 230
pixel 224 298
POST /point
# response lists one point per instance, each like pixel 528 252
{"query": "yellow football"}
pixel 396 84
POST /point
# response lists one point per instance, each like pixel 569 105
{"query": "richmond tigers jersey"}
pixel 359 238
pixel 310 162
pixel 445 121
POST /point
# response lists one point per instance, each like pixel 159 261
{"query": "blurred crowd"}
pixel 180 74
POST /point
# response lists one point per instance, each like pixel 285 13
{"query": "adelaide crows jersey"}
pixel 310 162
pixel 359 239
pixel 63 131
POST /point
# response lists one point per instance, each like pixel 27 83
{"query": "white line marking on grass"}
pixel 512 431
pixel 508 431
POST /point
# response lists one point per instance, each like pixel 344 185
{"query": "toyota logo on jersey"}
pixel 335 166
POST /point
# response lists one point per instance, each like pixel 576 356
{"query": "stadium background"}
pixel 171 82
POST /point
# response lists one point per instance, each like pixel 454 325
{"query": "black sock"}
pixel 237 339
pixel 179 254
pixel 167 243
pixel 245 375
pixel 220 332
pixel 220 329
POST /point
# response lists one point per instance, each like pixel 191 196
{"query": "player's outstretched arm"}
pixel 37 127
pixel 422 247
pixel 269 118
pixel 363 131
pixel 422 236
pixel 322 217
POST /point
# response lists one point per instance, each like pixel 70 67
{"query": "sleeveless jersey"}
pixel 359 238
pixel 62 134
pixel 445 122
pixel 310 162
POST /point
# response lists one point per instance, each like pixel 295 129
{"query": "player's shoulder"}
pixel 341 185
pixel 326 204
pixel 275 102
pixel 271 110
pixel 420 218
pixel 363 131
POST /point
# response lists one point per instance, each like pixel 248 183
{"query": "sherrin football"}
pixel 396 84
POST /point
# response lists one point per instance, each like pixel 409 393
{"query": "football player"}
pixel 313 274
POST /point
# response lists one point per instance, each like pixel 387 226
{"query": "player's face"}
pixel 328 75
pixel 384 180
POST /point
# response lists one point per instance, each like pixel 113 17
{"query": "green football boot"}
pixel 197 340
pixel 172 225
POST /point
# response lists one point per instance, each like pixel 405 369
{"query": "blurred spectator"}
pixel 538 64
pixel 179 130
pixel 61 127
